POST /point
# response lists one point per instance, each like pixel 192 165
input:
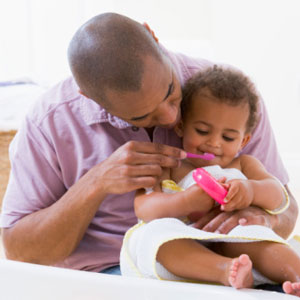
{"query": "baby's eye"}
pixel 228 139
pixel 202 132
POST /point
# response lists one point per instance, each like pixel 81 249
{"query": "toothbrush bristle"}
pixel 208 156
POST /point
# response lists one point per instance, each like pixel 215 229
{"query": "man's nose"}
pixel 168 115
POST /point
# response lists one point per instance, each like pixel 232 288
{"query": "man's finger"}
pixel 141 170
pixel 200 224
pixel 137 183
pixel 255 220
pixel 228 225
pixel 155 148
pixel 214 224
pixel 158 159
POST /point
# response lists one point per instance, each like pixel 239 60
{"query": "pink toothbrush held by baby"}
pixel 208 183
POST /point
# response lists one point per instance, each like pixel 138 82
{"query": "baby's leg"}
pixel 278 262
pixel 189 259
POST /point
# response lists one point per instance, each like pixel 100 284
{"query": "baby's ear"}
pixel 245 140
pixel 179 129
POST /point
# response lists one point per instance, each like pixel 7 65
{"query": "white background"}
pixel 262 37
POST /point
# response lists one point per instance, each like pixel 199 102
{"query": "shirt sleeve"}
pixel 35 179
pixel 263 146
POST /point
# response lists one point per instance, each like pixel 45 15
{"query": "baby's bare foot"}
pixel 292 288
pixel 240 273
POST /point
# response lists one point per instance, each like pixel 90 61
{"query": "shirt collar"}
pixel 93 113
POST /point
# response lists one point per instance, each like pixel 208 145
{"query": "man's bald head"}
pixel 107 53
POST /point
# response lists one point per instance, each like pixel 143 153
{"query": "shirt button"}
pixel 134 128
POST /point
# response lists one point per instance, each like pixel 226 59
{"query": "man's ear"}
pixel 81 92
pixel 151 31
pixel 179 129
pixel 245 140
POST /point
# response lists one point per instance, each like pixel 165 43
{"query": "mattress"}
pixel 34 282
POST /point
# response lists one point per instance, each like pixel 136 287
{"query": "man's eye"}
pixel 172 89
pixel 228 139
pixel 202 132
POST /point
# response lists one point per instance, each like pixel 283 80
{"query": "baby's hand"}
pixel 240 195
pixel 197 200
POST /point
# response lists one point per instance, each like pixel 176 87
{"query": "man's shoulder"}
pixel 186 66
pixel 62 106
pixel 58 97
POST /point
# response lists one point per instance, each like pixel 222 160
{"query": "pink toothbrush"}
pixel 210 185
pixel 205 156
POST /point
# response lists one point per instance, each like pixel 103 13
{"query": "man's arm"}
pixel 287 220
pixel 49 235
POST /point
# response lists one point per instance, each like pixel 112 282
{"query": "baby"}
pixel 219 111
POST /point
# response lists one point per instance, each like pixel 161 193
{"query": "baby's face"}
pixel 214 127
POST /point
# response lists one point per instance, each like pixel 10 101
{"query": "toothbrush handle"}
pixel 210 185
pixel 192 155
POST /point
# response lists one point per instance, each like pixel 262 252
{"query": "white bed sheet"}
pixel 15 100
pixel 23 281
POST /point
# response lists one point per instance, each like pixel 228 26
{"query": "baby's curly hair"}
pixel 225 85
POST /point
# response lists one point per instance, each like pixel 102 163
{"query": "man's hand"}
pixel 133 166
pixel 224 222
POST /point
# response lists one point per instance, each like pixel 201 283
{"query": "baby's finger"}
pixel 232 191
pixel 222 179
pixel 226 199
pixel 227 207
pixel 234 203
pixel 225 185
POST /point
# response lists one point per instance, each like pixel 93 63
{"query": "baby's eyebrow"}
pixel 232 130
pixel 209 125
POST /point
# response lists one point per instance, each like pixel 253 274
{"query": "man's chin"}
pixel 166 126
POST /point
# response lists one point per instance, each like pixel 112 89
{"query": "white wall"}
pixel 34 34
pixel 263 39
pixel 260 37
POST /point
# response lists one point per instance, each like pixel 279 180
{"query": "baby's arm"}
pixel 161 205
pixel 261 189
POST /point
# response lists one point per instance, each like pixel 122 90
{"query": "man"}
pixel 94 139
